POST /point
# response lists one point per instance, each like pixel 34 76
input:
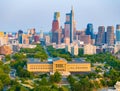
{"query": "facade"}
pixel 89 49
pixel 68 48
pixel 101 35
pixel 47 39
pixel 117 34
pixel 31 31
pixel 89 30
pixel 85 38
pixel 41 34
pixel 56 30
pixel 4 40
pixel 70 26
pixel 36 39
pixel 25 39
pixel 74 50
pixel 110 35
pixel 80 35
pixel 20 33
pixel 60 65
pixel 67 40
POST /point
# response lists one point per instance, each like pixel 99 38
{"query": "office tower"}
pixel 25 39
pixel 82 37
pixel 67 40
pixel 41 34
pixel 36 39
pixel 20 33
pixel 105 37
pixel 74 50
pixel 56 30
pixel 110 35
pixel 85 38
pixel 101 35
pixel 47 39
pixel 89 30
pixel 31 39
pixel 118 34
pixel 31 31
pixel 70 26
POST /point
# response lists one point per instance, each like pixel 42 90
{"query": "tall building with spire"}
pixel 70 26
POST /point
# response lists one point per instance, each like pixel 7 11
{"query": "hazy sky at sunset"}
pixel 25 14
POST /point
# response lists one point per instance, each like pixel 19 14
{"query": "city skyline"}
pixel 37 14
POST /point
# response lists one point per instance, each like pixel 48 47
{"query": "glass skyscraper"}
pixel 89 30
pixel 118 34
pixel 20 32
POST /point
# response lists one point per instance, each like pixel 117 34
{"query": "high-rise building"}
pixel 36 39
pixel 89 30
pixel 118 34
pixel 20 33
pixel 31 31
pixel 70 26
pixel 83 37
pixel 110 35
pixel 101 35
pixel 74 50
pixel 47 39
pixel 25 39
pixel 56 30
pixel 41 34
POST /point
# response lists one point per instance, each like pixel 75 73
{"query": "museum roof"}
pixel 37 61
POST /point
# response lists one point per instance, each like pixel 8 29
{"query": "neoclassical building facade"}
pixel 60 65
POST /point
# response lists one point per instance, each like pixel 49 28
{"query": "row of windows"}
pixel 60 70
pixel 60 65
pixel 44 67
pixel 78 67
pixel 41 68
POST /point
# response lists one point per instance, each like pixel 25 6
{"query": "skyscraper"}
pixel 20 33
pixel 70 26
pixel 89 30
pixel 101 35
pixel 110 35
pixel 118 34
pixel 56 30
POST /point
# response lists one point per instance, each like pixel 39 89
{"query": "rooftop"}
pixel 75 60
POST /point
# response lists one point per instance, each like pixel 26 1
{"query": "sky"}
pixel 38 14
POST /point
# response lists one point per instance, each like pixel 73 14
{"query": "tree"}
pixel 7 58
pixel 57 77
pixel 44 81
pixel 42 88
pixel 51 79
pixel 1 85
pixel 6 68
pixel 63 89
pixel 71 80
